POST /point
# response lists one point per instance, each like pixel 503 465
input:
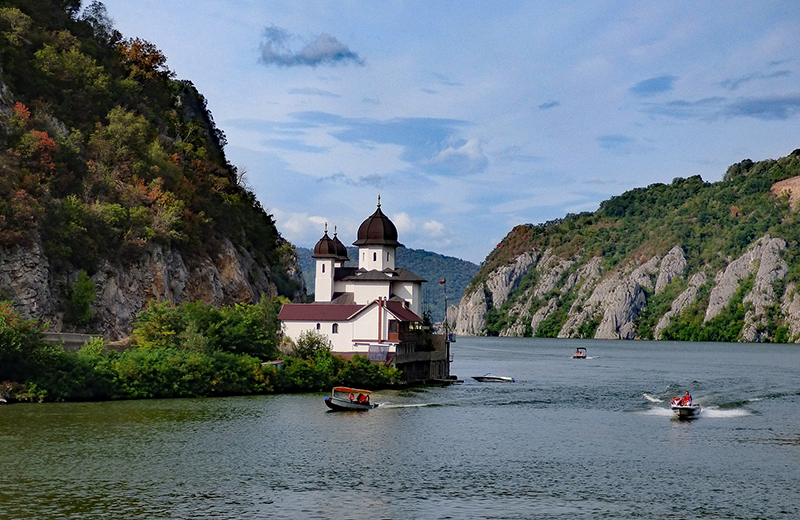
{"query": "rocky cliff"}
pixel 160 273
pixel 115 189
pixel 691 260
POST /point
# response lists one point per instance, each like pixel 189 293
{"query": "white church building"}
pixel 371 310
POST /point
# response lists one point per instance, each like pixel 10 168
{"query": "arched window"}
pixel 374 257
pixel 319 326
pixel 335 328
pixel 323 268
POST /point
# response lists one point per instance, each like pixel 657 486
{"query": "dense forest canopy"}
pixel 105 150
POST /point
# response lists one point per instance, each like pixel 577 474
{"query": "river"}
pixel 569 439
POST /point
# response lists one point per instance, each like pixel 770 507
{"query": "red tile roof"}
pixel 402 312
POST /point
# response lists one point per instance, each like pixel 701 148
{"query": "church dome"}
pixel 377 230
pixel 328 247
pixel 340 249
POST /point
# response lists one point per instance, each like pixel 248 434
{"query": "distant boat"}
pixel 580 353
pixel 491 378
pixel 344 398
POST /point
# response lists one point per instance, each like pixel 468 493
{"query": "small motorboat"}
pixel 491 378
pixel 344 398
pixel 685 409
pixel 580 353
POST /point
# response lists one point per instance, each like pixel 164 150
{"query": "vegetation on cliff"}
pixel 712 224
pixel 105 151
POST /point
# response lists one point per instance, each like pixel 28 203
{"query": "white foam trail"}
pixel 661 412
pixel 717 413
pixel 420 405
pixel 652 399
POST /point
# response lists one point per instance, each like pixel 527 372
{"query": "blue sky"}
pixel 470 117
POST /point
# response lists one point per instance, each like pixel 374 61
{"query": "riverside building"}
pixel 372 310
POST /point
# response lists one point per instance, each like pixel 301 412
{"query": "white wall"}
pixel 412 293
pixel 323 281
pixel 365 292
pixel 341 342
pixel 376 257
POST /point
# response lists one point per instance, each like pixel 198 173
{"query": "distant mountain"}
pixel 689 260
pixel 431 266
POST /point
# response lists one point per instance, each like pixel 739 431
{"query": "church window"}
pixel 335 328
pixel 374 257
pixel 319 326
pixel 323 268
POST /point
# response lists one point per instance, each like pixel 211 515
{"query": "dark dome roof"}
pixel 341 250
pixel 377 230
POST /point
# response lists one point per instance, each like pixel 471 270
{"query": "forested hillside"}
pixel 430 266
pixel 115 186
pixel 689 260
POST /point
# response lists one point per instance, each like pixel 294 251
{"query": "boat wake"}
pixel 716 412
pixel 419 405
pixel 652 399
pixel 659 412
pixel 709 412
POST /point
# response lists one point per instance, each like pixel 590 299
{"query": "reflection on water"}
pixel 589 438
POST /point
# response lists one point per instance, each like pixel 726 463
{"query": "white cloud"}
pixel 469 156
pixel 402 221
pixel 434 229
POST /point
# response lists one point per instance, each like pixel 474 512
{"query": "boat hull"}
pixel 345 405
pixel 493 379
pixel 687 412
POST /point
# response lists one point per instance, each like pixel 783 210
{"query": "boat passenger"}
pixel 687 400
pixel 361 398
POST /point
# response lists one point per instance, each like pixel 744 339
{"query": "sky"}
pixel 471 117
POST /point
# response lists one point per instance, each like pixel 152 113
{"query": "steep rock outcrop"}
pixel 727 281
pixel 585 281
pixel 623 304
pixel 471 319
pixel 771 268
pixel 542 313
pixel 790 306
pixel 672 265
pixel 25 278
pixel 502 281
pixel 161 273
pixel 683 301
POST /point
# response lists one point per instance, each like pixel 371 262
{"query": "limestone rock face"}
pixel 727 281
pixel 611 302
pixel 161 273
pixel 471 318
pixel 684 300
pixel 540 315
pixel 790 306
pixel 771 268
pixel 624 302
pixel 25 276
pixel 672 266
pixel 506 278
pixel 590 295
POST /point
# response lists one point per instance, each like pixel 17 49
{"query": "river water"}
pixel 569 439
